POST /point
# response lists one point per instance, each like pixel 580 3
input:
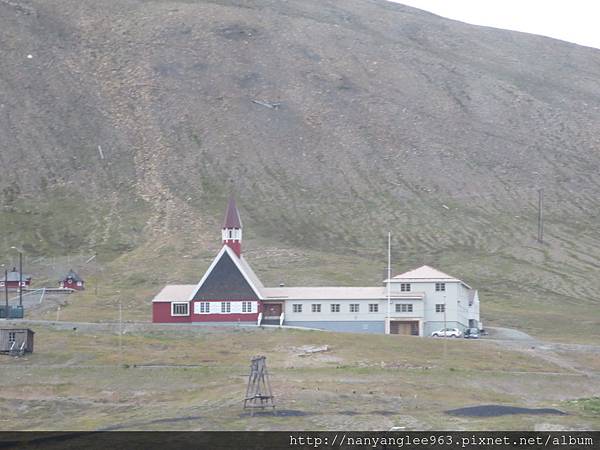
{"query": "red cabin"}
pixel 12 280
pixel 72 281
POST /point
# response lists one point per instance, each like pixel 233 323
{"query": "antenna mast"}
pixel 389 283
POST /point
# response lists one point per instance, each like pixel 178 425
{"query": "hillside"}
pixel 124 126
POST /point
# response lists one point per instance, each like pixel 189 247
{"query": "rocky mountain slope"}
pixel 127 123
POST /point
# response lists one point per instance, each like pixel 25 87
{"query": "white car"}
pixel 447 332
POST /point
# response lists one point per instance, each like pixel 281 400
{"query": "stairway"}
pixel 270 322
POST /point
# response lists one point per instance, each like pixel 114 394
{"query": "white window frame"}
pixel 335 307
pixel 373 307
pixel 354 307
pixel 404 307
pixel 440 287
pixel 316 307
pixel 404 287
pixel 173 304
pixel 246 307
pixel 440 308
pixel 225 307
pixel 297 307
pixel 202 308
pixel 12 336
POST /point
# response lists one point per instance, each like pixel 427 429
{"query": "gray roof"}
pixel 334 293
pixel 13 275
pixel 71 274
pixel 175 293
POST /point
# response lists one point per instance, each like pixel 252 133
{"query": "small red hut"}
pixel 12 279
pixel 72 281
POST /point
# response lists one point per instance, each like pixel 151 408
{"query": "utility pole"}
pixel 20 279
pixel 6 291
pixel 389 283
pixel 540 237
pixel 120 328
pixel 20 276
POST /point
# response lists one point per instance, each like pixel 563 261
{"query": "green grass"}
pixel 589 406
pixel 79 380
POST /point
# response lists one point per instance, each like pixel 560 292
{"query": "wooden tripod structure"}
pixel 258 393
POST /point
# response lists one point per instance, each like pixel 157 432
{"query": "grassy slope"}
pixel 78 380
pixel 136 278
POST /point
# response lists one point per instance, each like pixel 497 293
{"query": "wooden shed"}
pixel 16 340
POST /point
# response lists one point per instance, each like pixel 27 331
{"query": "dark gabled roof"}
pixel 73 276
pixel 13 275
pixel 226 280
pixel 232 215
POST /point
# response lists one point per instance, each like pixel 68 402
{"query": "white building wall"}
pixel 455 297
pixel 345 314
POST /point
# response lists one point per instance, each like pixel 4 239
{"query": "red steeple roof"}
pixel 232 216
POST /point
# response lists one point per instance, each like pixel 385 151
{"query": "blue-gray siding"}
pixel 355 326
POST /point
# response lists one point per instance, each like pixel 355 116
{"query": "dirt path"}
pixel 562 355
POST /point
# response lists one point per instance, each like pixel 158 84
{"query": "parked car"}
pixel 447 332
pixel 472 333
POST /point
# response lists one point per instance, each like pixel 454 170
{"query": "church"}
pixel 416 302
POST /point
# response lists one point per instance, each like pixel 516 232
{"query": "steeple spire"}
pixel 232 227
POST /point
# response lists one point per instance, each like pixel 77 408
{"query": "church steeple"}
pixel 232 228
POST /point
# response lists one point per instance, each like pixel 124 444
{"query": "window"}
pixel 354 307
pixel 440 308
pixel 373 307
pixel 230 234
pixel 316 308
pixel 297 308
pixel 246 307
pixel 440 287
pixel 404 287
pixel 335 307
pixel 180 309
pixel 12 336
pixel 403 307
pixel 225 307
pixel 202 308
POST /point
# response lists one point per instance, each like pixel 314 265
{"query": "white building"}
pixel 420 301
